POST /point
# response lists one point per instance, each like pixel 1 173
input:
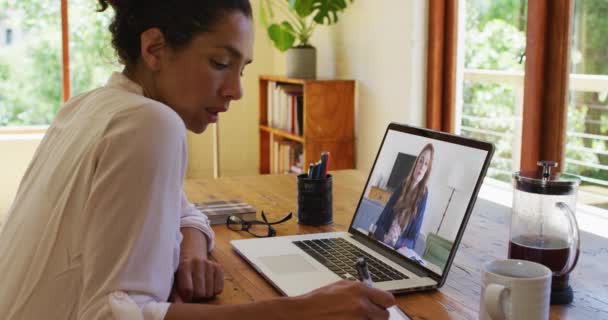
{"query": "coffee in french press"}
pixel 543 225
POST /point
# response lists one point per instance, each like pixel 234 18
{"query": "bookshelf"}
pixel 325 122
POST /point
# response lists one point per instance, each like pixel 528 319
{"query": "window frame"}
pixel 65 51
pixel 441 65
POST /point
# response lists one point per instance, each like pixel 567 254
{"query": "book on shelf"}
pixel 284 107
pixel 299 115
pixel 219 211
pixel 286 156
pixel 296 169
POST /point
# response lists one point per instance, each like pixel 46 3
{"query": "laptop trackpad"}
pixel 289 263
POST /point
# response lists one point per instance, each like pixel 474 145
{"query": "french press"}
pixel 543 224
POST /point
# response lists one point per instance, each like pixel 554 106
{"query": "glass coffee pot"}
pixel 543 224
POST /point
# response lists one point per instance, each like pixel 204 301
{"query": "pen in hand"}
pixel 363 272
pixel 365 277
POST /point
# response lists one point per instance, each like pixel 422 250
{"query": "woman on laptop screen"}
pixel 399 223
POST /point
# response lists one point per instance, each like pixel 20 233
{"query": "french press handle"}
pixel 576 243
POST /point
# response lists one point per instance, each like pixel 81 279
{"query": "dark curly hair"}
pixel 178 20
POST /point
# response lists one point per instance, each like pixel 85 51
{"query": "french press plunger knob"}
pixel 547 165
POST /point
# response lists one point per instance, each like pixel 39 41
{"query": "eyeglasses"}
pixel 259 229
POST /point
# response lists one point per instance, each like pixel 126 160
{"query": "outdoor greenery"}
pixel 588 111
pixel 495 40
pixel 30 70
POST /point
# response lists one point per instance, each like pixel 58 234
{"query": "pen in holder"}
pixel 315 200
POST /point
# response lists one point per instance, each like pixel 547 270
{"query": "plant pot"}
pixel 302 62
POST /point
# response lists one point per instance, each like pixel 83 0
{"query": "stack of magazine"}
pixel 219 211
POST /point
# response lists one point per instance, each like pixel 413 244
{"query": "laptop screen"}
pixel 417 196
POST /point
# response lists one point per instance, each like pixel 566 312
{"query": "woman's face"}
pixel 200 80
pixel 422 166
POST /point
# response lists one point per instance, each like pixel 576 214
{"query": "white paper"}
pixel 396 314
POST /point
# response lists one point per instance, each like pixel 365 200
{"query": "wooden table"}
pixel 485 238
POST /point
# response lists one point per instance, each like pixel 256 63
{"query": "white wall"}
pixel 16 155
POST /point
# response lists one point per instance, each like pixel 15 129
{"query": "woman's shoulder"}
pixel 151 114
pixel 133 112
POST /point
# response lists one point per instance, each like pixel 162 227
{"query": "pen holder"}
pixel 314 200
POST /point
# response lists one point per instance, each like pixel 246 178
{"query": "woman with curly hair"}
pixel 100 227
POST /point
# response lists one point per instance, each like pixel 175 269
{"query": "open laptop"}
pixel 409 242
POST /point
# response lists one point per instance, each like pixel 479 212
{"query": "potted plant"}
pixel 293 33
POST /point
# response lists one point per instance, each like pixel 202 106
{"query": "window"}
pixel 92 57
pixel 31 70
pixel 491 103
pixel 587 138
pixel 498 98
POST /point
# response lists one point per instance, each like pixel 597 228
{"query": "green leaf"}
pixel 302 7
pixel 326 11
pixel 288 27
pixel 282 35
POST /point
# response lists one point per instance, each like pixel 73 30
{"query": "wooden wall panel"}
pixel 441 64
pixel 546 82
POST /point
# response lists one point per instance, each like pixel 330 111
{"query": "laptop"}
pixel 408 230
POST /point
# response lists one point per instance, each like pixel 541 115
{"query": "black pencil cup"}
pixel 314 200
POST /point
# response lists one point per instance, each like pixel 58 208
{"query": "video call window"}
pixel 417 196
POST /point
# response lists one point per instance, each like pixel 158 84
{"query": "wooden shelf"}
pixel 328 119
pixel 284 79
pixel 281 133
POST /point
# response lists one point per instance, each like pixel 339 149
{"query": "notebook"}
pixel 219 211
pixel 408 231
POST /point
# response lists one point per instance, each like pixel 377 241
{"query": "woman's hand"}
pixel 197 278
pixel 344 300
pixel 393 234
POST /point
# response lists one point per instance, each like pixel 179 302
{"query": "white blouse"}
pixel 93 232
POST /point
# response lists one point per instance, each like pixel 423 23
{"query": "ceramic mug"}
pixel 515 289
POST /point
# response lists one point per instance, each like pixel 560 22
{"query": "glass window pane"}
pixel 30 62
pixel 587 131
pixel 92 57
pixel 491 92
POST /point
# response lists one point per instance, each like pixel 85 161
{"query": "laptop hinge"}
pixel 395 257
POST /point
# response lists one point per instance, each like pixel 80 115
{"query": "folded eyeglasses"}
pixel 259 229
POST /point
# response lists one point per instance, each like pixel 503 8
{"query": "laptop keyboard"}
pixel 340 256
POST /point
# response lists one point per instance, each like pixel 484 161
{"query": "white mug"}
pixel 515 289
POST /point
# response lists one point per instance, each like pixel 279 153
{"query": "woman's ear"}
pixel 152 48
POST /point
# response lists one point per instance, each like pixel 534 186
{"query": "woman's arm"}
pixel 130 238
pixel 193 218
pixel 342 300
pixel 197 277
pixel 412 234
pixel 385 220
